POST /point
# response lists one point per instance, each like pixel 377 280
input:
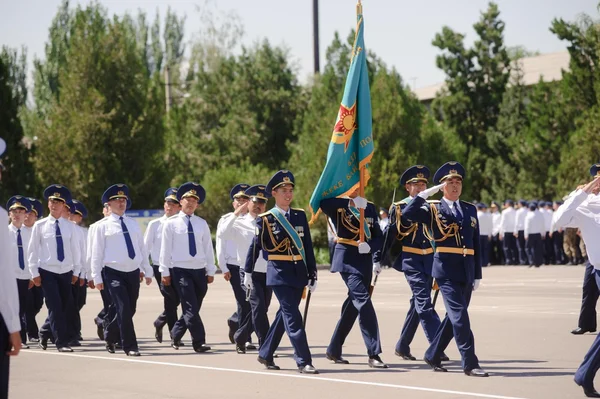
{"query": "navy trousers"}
pixel 79 298
pixel 535 249
pixel 4 359
pixel 357 304
pixel 484 250
pixel 456 324
pixel 421 309
pixel 288 319
pixel 511 253
pixel 192 286
pixel 106 302
pixel 549 257
pixel 243 313
pixel 59 299
pixel 124 289
pixel 522 248
pixel 35 302
pixel 591 362
pixel 258 302
pixel 170 302
pixel 587 316
pixel 22 288
pixel 557 242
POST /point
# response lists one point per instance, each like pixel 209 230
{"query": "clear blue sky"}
pixel 399 31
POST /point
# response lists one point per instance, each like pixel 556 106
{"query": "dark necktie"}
pixel 130 250
pixel 191 237
pixel 20 247
pixel 60 249
pixel 456 212
pixel 287 216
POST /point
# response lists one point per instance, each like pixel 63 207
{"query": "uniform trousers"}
pixel 496 252
pixel 124 289
pixel 484 246
pixel 170 302
pixel 243 310
pixel 192 286
pixel 587 315
pixel 591 362
pixel 59 299
pixel 288 319
pixel 357 304
pixel 79 297
pixel 511 253
pixel 257 319
pixel 456 324
pixel 549 256
pixel 35 302
pixel 535 249
pixel 557 242
pixel 4 359
pixel 22 288
pixel 522 247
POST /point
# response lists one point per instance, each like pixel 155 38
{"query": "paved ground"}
pixel 521 320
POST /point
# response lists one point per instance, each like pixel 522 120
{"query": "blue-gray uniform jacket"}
pixel 346 258
pixel 285 265
pixel 456 245
pixel 417 252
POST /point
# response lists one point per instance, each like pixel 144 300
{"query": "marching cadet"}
pixel 284 234
pixel 152 241
pixel 570 246
pixel 78 213
pixel 581 210
pixel 485 233
pixel 456 264
pixel 356 261
pixel 547 212
pixel 415 262
pixel 227 256
pixel 54 262
pixel 240 228
pixel 535 231
pixel 187 250
pixel 119 263
pixel 18 206
pixel 10 338
pixel 497 254
pixel 35 297
pixel 557 238
pixel 519 232
pixel 507 229
pixel 98 320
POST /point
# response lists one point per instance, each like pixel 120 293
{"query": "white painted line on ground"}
pixel 276 374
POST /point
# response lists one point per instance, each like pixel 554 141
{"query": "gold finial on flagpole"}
pixel 359 8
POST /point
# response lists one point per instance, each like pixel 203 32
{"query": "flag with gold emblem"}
pixel 351 146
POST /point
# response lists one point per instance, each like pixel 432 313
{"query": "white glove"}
pixel 431 191
pixel 476 284
pixel 376 268
pixel 363 248
pixel 312 285
pixel 248 281
pixel 360 202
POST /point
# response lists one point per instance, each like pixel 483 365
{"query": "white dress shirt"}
pixel 547 213
pixel 508 220
pixel 175 247
pixel 534 223
pixel 485 223
pixel 153 238
pixel 383 223
pixel 582 211
pixel 451 206
pixel 9 296
pixel 226 249
pixel 496 220
pixel 520 215
pixel 86 272
pixel 42 250
pixel 109 248
pixel 242 230
pixel 14 250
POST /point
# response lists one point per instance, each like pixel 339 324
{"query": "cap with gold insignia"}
pixel 239 191
pixel 414 174
pixel 448 170
pixel 595 170
pixel 258 193
pixel 171 194
pixel 57 192
pixel 116 191
pixel 279 179
pixel 36 206
pixel 191 189
pixel 18 202
pixel 79 209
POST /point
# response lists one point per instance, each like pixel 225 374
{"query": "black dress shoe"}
pixel 175 344
pixel 118 345
pixel 74 343
pixel 405 356
pixel 308 369
pixel 580 331
pixel 336 360
pixel 100 332
pixel 43 344
pixel 201 348
pixel 444 358
pixel 269 364
pixel 65 349
pixel 476 373
pixel 376 362
pixel 436 367
pixel 133 353
pixel 110 348
pixel 250 346
pixel 588 391
pixel 158 334
pixel 240 349
pixel 232 331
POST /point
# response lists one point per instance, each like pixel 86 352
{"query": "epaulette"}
pixel 433 201
pixel 298 209
pixel 267 213
pixel 370 202
pixel 400 203
pixel 467 202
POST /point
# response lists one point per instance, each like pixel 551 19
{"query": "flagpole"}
pixel 361 171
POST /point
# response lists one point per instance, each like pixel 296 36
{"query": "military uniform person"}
pixel 187 249
pixel 570 246
pixel 119 262
pixel 35 296
pixel 520 214
pixel 557 239
pixel 507 229
pixel 78 213
pixel 152 241
pixel 535 231
pixel 54 262
pixel 456 266
pixel 284 234
pixel 485 233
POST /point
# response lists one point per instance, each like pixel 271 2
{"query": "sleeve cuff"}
pixel 164 271
pixel 13 325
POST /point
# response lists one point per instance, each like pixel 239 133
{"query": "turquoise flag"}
pixel 351 146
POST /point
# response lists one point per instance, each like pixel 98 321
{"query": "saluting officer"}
pixel 54 262
pixel 35 296
pixel 456 263
pixel 119 263
pixel 284 234
pixel 187 250
pixel 153 240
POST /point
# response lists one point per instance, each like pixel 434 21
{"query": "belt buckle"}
pixel 424 251
pixel 294 258
pixel 464 252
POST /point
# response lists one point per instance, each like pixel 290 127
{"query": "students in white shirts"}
pixel 519 231
pixel 106 302
pixel 547 212
pixel 152 240
pixel 187 249
pixel 557 238
pixel 18 206
pixel 54 262
pixel 78 212
pixel 485 233
pixel 496 251
pixel 35 296
pixel 119 263
pixel 535 233
pixel 507 230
